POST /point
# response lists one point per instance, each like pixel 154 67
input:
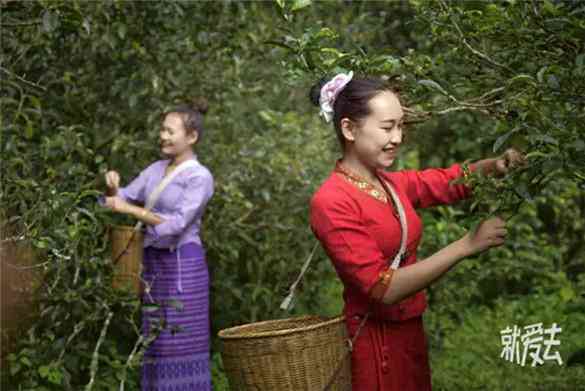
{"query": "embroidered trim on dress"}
pixel 361 183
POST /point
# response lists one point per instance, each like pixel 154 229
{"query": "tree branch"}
pixel 481 55
pixel 76 330
pixel 94 360
pixel 20 24
pixel 423 116
pixel 129 361
pixel 138 350
pixel 27 82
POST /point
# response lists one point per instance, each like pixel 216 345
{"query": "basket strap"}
pixel 288 300
pixel 403 223
pixel 347 354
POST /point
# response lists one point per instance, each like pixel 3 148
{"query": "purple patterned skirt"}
pixel 178 359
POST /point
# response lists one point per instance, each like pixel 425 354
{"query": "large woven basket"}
pixel 127 253
pixel 295 354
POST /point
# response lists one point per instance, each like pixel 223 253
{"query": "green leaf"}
pixel 24 360
pixel 29 131
pixel 533 154
pixel 549 7
pixel 522 191
pixel 86 26
pixel 72 231
pixel 44 371
pixel 433 85
pixel 521 78
pixel 15 368
pixel 176 304
pixel 35 101
pixel 502 139
pixel 50 21
pixel 553 82
pixel 546 139
pixel 578 145
pixel 326 33
pixel 278 43
pixel 150 307
pixel 580 60
pixel 300 4
pixel 540 74
pixel 55 376
pixel 567 293
pixel 122 29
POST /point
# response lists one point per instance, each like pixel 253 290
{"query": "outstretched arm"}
pixel 120 205
pixel 410 279
pixel 435 186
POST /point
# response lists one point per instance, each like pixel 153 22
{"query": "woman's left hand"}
pixel 508 160
pixel 118 204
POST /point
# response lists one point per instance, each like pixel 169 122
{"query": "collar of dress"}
pixel 359 182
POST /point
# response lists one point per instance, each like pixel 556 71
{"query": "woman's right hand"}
pixel 490 233
pixel 112 182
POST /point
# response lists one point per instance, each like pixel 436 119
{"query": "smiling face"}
pixel 375 139
pixel 174 139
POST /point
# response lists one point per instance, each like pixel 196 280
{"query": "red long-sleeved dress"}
pixel 360 234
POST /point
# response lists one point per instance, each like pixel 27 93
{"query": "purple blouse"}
pixel 181 204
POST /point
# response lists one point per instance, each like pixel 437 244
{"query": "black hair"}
pixel 352 101
pixel 192 115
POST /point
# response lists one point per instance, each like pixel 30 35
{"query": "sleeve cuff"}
pixel 468 190
pixel 155 232
pixel 366 278
pixel 158 231
pixel 122 194
pixel 378 291
pixel 102 200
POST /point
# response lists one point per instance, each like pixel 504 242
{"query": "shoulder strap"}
pixel 403 224
pixel 154 196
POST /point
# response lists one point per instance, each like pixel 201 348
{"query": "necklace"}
pixel 361 183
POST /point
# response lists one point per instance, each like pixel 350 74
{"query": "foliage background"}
pixel 84 83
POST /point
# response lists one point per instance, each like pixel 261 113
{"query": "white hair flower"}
pixel 329 93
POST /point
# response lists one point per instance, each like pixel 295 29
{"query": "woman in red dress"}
pixel 355 219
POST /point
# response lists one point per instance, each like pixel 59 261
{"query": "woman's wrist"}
pixel 463 246
pixel 485 166
pixel 139 212
pixel 111 191
pixel 133 210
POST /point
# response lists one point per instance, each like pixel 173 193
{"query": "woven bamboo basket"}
pixel 127 253
pixel 19 283
pixel 294 354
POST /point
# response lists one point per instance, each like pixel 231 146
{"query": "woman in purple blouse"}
pixel 174 257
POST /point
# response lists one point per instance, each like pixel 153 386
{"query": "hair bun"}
pixel 315 92
pixel 200 104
